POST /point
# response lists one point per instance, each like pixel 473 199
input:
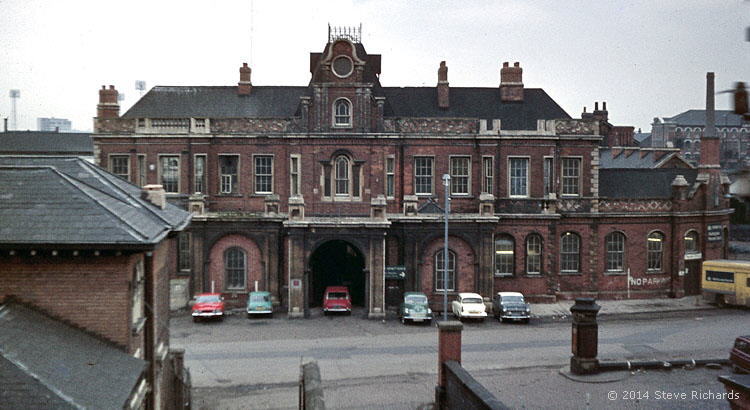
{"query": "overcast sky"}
pixel 645 58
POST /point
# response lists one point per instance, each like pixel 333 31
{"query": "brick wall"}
pixel 90 292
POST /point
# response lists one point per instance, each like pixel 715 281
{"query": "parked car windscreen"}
pixel 207 299
pixel 416 299
pixel 512 299
pixel 336 295
pixel 472 300
pixel 259 298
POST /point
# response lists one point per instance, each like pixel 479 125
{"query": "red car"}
pixel 740 355
pixel 337 299
pixel 208 305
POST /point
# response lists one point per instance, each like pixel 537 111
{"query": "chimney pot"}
pixel 505 64
pixel 111 87
pixel 596 105
pixel 604 106
pixel 516 64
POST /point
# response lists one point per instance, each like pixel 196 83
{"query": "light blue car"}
pixel 259 303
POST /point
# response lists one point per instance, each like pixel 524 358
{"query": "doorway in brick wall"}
pixel 337 263
pixel 692 277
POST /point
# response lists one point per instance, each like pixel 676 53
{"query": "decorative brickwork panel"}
pixel 515 206
pixel 435 126
pixel 575 127
pixel 251 125
pixel 574 205
pixel 635 205
pixel 114 125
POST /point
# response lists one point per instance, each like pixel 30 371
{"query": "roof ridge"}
pixel 140 201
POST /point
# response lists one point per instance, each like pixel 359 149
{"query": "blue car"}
pixel 259 303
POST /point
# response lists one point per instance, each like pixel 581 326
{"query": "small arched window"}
pixel 655 248
pixel 570 252
pixel 342 113
pixel 235 263
pixel 504 255
pixel 443 282
pixel 615 244
pixel 533 254
pixel 342 175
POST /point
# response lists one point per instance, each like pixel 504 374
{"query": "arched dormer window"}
pixel 342 113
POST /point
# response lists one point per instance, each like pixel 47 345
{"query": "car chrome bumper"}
pixel 467 314
pixel 417 318
pixel 207 314
pixel 259 312
pixel 336 310
pixel 523 316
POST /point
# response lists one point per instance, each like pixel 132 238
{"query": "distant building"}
pixel 685 130
pixel 53 124
pixel 87 256
pixel 47 143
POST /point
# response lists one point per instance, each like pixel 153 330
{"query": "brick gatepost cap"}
pixel 450 326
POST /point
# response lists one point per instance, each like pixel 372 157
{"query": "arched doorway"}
pixel 337 263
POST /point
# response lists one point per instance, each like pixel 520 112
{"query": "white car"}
pixel 469 306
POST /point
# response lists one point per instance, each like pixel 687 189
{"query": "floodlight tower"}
pixel 140 86
pixel 14 95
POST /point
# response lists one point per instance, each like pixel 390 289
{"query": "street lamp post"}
pixel 446 185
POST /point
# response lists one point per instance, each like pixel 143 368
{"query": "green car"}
pixel 259 303
pixel 415 308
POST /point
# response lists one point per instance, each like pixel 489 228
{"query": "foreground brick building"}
pixel 92 253
pixel 339 182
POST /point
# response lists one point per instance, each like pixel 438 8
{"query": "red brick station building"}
pixel 340 182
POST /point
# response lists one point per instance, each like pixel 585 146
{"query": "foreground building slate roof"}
pixel 45 363
pixel 68 201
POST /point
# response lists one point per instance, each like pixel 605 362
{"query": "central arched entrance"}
pixel 337 263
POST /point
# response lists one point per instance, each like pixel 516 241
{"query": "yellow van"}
pixel 726 282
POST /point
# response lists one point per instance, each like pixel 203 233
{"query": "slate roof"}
pixel 217 102
pixel 283 102
pixel 66 200
pixel 639 137
pixel 44 142
pixel 641 183
pixel 633 159
pixel 697 118
pixel 52 365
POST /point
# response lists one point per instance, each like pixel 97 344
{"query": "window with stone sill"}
pixel 235 268
pixel 169 173
pixel 655 251
pixel 570 253
pixel 120 166
pixel 228 174
pixel 504 255
pixel 534 254
pixel 440 271
pixel 342 117
pixel 263 174
pixel 571 176
pixel 615 252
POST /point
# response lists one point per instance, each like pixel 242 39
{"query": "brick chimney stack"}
pixel 442 86
pixel 710 141
pixel 511 83
pixel 108 106
pixel 244 86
